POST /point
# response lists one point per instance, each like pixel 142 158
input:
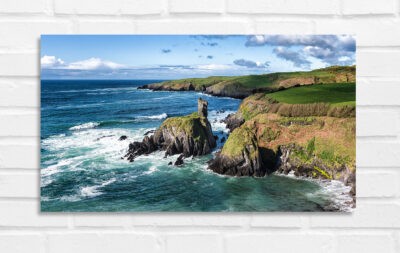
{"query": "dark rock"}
pixel 189 135
pixel 315 168
pixel 240 156
pixel 216 137
pixel 140 148
pixel 223 139
pixel 170 163
pixel 203 88
pixel 202 106
pixel 123 137
pixel 233 121
pixel 191 87
pixel 104 136
pixel 179 161
pixel 149 132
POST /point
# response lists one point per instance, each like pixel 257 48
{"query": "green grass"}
pixel 266 82
pixel 338 94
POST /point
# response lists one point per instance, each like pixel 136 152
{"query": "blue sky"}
pixel 182 56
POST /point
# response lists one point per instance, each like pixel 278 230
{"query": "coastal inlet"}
pixel 82 170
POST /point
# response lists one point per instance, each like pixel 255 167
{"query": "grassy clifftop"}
pixel 243 86
pixel 337 100
pixel 308 130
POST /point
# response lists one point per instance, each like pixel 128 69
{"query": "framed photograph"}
pixel 198 123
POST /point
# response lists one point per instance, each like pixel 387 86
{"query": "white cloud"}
pixel 213 67
pixel 344 58
pixel 48 61
pixel 326 48
pixel 52 62
pixel 250 64
pixel 94 63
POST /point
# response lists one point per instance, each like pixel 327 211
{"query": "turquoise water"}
pixel 82 169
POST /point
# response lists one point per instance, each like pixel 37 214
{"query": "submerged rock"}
pixel 123 137
pixel 190 135
pixel 179 160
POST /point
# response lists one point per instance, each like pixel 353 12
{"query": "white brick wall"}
pixel 373 227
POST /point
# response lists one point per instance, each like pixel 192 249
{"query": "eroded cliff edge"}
pixel 314 140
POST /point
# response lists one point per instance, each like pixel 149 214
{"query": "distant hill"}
pixel 243 86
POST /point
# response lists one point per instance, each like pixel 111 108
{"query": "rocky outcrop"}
pixel 189 135
pixel 202 108
pixel 240 155
pixel 291 160
pixel 233 121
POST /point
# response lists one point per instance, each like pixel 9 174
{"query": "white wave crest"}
pixel 160 116
pixel 337 192
pixel 93 191
pixel 85 126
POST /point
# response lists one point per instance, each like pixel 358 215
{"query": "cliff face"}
pixel 240 155
pixel 189 135
pixel 318 147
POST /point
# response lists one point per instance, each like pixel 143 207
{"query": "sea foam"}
pixel 85 126
pixel 159 116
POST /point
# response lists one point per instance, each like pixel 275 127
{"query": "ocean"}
pixel 82 169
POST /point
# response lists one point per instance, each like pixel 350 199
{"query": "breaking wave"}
pixel 85 126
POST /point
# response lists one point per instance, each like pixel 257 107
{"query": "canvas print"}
pixel 198 123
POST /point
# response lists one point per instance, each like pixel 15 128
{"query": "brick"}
pixel 27 214
pixel 19 64
pixel 109 27
pixel 366 215
pixel 378 154
pixel 19 93
pixel 19 125
pixel 192 27
pixel 356 7
pixel 369 122
pixel 22 242
pixel 19 185
pixel 101 220
pixel 279 242
pixel 102 242
pixel 365 243
pixel 23 6
pixel 317 7
pixel 283 27
pixel 200 6
pixel 193 243
pixel 26 33
pixel 188 219
pixel 377 184
pixel 117 7
pixel 276 220
pixel 369 32
pixel 370 63
pixel 19 156
pixel 368 94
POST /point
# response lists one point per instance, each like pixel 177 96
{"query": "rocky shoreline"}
pixel 189 135
pixel 313 141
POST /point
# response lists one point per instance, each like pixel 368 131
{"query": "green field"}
pixel 337 94
pixel 246 85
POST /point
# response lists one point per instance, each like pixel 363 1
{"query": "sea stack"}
pixel 189 135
